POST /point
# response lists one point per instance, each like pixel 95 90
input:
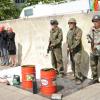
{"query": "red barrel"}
pixel 28 73
pixel 48 81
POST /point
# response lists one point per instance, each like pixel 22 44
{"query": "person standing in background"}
pixel 4 49
pixel 11 46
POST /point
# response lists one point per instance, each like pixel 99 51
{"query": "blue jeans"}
pixel 4 55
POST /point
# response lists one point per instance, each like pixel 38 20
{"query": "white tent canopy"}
pixel 52 9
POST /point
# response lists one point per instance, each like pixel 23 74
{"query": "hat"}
pixel 72 20
pixel 54 22
pixel 96 18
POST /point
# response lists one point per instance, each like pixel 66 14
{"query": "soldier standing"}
pixel 55 43
pixel 74 43
pixel 94 39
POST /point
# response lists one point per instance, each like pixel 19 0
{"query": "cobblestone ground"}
pixel 65 85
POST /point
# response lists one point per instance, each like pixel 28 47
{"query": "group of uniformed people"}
pixel 74 48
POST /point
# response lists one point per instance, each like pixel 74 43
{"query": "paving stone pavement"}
pixel 13 93
pixel 66 86
pixel 91 92
pixel 4 67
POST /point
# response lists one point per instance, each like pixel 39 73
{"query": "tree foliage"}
pixel 8 10
pixel 33 2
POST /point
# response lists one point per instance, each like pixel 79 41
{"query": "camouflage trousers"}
pixel 76 65
pixel 95 64
pixel 56 58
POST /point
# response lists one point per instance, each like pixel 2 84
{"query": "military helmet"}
pixel 72 20
pixel 96 18
pixel 54 22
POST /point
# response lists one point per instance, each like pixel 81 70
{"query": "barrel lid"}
pixel 47 69
pixel 28 66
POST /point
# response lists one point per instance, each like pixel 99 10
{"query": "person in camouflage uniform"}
pixel 55 45
pixel 74 44
pixel 94 39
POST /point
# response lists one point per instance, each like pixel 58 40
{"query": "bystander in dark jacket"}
pixel 11 46
pixel 4 49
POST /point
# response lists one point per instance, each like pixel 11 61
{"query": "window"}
pixel 19 1
pixel 28 12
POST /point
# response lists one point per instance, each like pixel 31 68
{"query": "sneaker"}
pixel 14 65
pixel 3 64
pixel 11 65
pixel 7 64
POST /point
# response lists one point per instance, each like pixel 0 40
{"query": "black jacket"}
pixel 3 41
pixel 11 41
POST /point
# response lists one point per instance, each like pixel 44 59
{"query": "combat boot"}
pixel 61 72
pixel 78 81
pixel 94 81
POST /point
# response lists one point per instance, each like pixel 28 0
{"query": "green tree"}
pixel 8 10
pixel 33 2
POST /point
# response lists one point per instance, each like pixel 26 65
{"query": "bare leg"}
pixel 14 60
pixel 11 59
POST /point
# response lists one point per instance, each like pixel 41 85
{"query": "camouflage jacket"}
pixel 95 35
pixel 74 39
pixel 56 37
